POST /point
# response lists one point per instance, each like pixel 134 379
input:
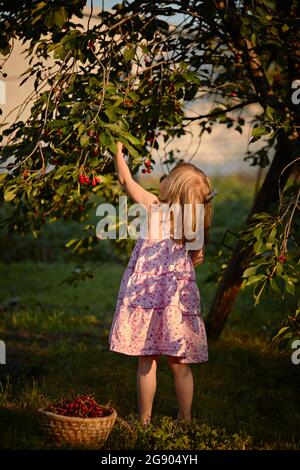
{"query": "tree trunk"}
pixel 230 285
pixel 269 192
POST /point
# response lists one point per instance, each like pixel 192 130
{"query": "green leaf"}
pixel 280 333
pixel 71 242
pixel 59 52
pixel 258 247
pixel 131 149
pixel 285 28
pixel 272 114
pixel 37 18
pixel 273 234
pixel 245 31
pixel 62 189
pixel 133 95
pixel 56 18
pixel 57 123
pixel 249 272
pixel 133 140
pixel 289 287
pixel 60 17
pixel 190 76
pixel 275 286
pixel 10 194
pixel 257 233
pixel 259 131
pixel 57 150
pixel 261 215
pixel 105 139
pixel 111 114
pixel 39 6
pixel 255 279
pixel 2 176
pixel 81 129
pixel 84 140
pixel 129 54
pixel 61 171
pixel 279 268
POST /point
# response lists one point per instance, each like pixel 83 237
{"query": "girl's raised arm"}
pixel 132 188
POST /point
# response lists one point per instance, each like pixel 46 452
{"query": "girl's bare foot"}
pixel 186 418
pixel 145 423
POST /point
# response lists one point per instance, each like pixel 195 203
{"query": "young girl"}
pixel 158 309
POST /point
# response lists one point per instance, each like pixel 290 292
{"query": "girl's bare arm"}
pixel 131 187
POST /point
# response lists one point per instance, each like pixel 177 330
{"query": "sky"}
pixel 110 3
pixel 107 3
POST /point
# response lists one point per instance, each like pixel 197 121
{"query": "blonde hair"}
pixel 187 184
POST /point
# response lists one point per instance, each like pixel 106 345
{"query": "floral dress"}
pixel 158 309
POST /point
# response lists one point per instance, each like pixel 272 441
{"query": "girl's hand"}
pixel 136 192
pixel 119 147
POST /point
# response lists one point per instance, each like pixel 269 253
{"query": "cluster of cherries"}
pixel 84 406
pixel 85 179
pixel 147 168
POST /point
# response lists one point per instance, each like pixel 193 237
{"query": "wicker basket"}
pixel 76 431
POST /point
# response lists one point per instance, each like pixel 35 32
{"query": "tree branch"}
pixel 218 112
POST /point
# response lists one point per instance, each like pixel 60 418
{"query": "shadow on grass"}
pixel 20 429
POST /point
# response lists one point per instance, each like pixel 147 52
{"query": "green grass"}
pixel 246 395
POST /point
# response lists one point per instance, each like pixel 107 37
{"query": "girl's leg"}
pixel 146 386
pixel 184 386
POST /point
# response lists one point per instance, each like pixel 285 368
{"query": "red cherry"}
pixel 282 259
pixel 91 133
pixel 148 163
pixel 128 103
pixel 149 170
pixel 91 45
pixel 144 170
pixel 25 174
pixel 81 179
pixel 94 182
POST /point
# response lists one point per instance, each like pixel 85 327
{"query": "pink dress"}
pixel 158 309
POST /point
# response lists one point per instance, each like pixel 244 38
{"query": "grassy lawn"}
pixel 246 396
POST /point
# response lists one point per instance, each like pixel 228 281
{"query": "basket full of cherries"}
pixel 78 422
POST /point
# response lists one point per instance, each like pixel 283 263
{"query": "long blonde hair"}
pixel 187 184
